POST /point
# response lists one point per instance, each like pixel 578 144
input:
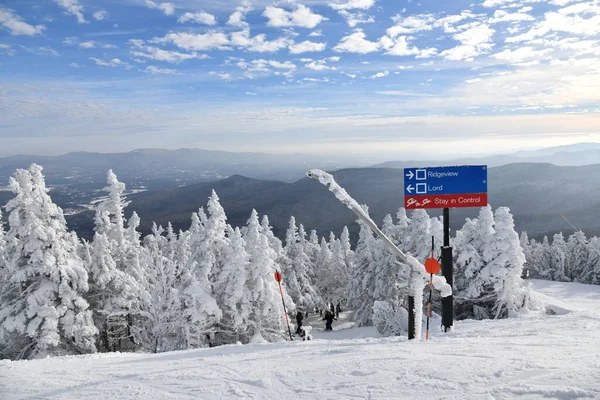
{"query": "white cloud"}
pixel 334 59
pixel 353 19
pixel 380 74
pixel 427 53
pixel 302 16
pixel 521 55
pixel 167 8
pixel 199 17
pixel 48 51
pixel 160 71
pixel 579 19
pixel 475 41
pixel 398 46
pixel 15 25
pixel 411 24
pixel 74 8
pixel 353 4
pixel 258 43
pixel 503 16
pixel 198 42
pixel 306 47
pixel 41 51
pixel 318 65
pixel 90 44
pixel 497 3
pixel 7 49
pixel 316 33
pixel 237 17
pixel 356 43
pixel 74 65
pixel 561 2
pixel 154 53
pixel 113 63
pixel 100 15
pixel 251 93
pixel 447 23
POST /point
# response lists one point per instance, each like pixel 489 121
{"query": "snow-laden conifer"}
pixel 360 297
pixel 230 289
pixel 306 296
pixel 42 309
pixel 266 310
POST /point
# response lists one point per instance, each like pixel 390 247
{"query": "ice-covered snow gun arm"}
pixel 416 267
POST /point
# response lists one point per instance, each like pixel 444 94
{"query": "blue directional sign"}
pixel 445 180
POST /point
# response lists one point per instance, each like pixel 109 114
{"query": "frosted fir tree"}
pixel 200 312
pixel 312 249
pixel 578 256
pixel 592 273
pixel 360 286
pixel 231 291
pixel 307 296
pixel 266 311
pixel 324 269
pixel 500 280
pixel 347 250
pixel 419 235
pixel 160 326
pixel 3 251
pixel 109 217
pixel 42 309
pixel 111 290
pixel 125 248
pixel 558 252
pixel 402 228
pixel 282 263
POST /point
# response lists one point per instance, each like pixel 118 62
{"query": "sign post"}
pixel 279 278
pixel 445 187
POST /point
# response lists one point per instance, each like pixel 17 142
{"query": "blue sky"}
pixel 383 77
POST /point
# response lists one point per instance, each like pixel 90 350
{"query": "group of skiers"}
pixel 331 313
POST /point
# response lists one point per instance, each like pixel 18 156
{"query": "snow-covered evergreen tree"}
pixel 305 296
pixel 360 295
pixel 42 309
pixel 160 326
pixel 283 264
pixel 558 253
pixel 419 235
pixel 578 256
pixel 500 279
pixel 266 310
pixel 111 289
pixel 126 251
pixel 200 311
pixel 231 291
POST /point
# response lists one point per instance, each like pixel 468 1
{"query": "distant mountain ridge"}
pixel 537 194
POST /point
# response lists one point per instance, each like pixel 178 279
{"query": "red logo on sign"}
pixel 446 201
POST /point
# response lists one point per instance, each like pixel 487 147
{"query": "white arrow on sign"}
pixel 410 188
pixel 410 174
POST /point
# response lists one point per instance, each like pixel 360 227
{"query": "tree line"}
pixel 213 284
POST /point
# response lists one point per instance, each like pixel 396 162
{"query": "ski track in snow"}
pixel 534 357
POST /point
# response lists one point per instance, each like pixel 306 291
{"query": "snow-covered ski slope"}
pixel 538 357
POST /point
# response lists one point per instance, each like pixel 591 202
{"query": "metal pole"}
pixel 287 320
pixel 411 317
pixel 447 272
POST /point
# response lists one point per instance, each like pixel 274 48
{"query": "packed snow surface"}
pixel 536 357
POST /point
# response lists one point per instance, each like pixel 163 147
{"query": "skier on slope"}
pixel 299 318
pixel 328 318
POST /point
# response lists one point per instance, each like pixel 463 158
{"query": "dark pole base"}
pixel 411 317
pixel 447 302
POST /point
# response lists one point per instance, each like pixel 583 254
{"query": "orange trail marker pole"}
pixel 433 267
pixel 278 278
